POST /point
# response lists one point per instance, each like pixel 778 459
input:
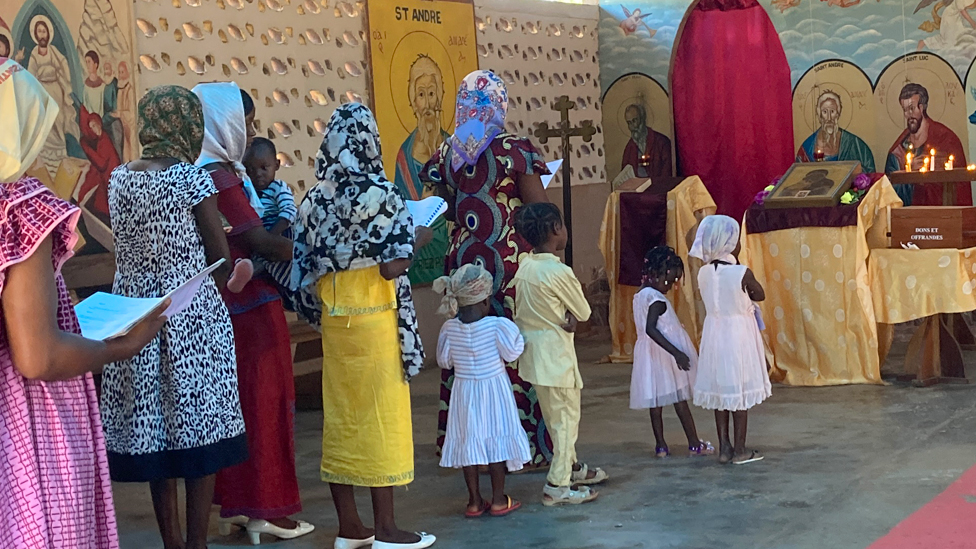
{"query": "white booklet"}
pixel 104 316
pixel 553 170
pixel 425 212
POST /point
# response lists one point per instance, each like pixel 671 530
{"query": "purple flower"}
pixel 761 197
pixel 862 182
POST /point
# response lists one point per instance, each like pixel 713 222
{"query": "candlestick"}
pixel 951 162
pixel 908 160
pixel 932 163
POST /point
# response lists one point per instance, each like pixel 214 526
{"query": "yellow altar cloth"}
pixel 819 312
pixel 687 203
pixel 912 284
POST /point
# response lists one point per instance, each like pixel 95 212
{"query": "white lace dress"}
pixel 656 379
pixel 732 361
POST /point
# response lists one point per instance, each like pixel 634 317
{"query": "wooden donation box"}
pixel 934 226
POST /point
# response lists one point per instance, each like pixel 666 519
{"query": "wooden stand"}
pixel 936 347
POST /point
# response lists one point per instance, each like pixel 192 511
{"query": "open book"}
pixel 104 316
pixel 425 212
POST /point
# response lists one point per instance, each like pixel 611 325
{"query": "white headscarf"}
pixel 717 238
pixel 225 132
pixel 27 114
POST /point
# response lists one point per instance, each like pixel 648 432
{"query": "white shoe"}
pixel 565 495
pixel 224 524
pixel 346 543
pixel 426 540
pixel 256 527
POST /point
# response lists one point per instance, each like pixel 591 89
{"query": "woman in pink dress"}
pixel 53 468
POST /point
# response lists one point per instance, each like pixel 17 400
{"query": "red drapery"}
pixel 733 113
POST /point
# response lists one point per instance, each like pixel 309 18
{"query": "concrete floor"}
pixel 843 466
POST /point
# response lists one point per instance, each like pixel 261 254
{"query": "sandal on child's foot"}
pixel 703 448
pixel 510 507
pixel 485 506
pixel 662 452
pixel 582 476
pixel 748 456
pixel 565 495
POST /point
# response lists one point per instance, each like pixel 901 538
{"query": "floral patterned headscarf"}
pixel 354 218
pixel 482 104
pixel 171 124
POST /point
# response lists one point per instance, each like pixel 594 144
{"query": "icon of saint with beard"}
pixel 834 142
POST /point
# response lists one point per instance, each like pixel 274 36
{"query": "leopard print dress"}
pixel 173 410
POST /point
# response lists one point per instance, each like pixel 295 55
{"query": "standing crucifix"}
pixel 565 131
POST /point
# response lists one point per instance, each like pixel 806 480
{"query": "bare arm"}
pixel 752 286
pixel 967 17
pixel 280 226
pixel 270 246
pixel 214 238
pixel 395 268
pixel 654 312
pixel 40 350
pixel 531 189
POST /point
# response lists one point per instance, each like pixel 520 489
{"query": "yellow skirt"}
pixel 367 434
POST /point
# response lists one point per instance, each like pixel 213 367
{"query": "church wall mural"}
pixel 82 53
pixel 860 70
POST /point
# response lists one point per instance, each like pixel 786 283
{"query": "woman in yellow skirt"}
pixel 354 241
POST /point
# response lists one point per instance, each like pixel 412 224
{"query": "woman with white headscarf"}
pixel 53 464
pixel 732 373
pixel 262 492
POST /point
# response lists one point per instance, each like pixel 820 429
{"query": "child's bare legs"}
pixel 657 425
pixel 350 525
pixel 167 512
pixel 725 451
pixel 687 423
pixel 743 454
pixel 499 501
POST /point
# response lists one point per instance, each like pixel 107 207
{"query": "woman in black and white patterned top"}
pixel 173 411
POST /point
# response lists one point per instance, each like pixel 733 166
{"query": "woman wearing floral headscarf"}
pixel 172 411
pixel 354 240
pixel 53 466
pixel 260 493
pixel 486 174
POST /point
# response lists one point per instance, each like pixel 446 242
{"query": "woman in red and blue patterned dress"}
pixel 486 174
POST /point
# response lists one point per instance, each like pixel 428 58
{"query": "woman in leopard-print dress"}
pixel 173 411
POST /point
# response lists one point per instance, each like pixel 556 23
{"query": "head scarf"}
pixel 171 124
pixel 716 239
pixel 225 132
pixel 354 218
pixel 482 104
pixel 468 285
pixel 28 114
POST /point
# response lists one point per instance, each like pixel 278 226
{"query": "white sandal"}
pixel 565 495
pixel 579 477
pixel 256 527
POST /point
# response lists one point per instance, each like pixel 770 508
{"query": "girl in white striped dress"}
pixel 483 425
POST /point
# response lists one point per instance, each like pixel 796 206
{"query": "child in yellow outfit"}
pixel 549 301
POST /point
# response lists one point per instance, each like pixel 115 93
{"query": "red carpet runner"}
pixel 946 522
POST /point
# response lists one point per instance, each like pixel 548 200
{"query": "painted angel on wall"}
pixel 954 23
pixel 633 21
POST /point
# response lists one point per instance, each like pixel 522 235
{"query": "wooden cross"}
pixel 565 131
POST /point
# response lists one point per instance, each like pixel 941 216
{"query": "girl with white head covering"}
pixel 260 493
pixel 53 462
pixel 483 427
pixel 732 360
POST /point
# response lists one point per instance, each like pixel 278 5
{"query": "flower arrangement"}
pixel 859 188
pixel 762 195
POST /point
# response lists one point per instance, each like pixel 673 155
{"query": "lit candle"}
pixel 951 162
pixel 971 167
pixel 932 163
pixel 947 166
pixel 908 161
pixel 924 169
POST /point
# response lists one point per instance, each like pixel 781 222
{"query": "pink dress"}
pixel 53 467
pixel 656 380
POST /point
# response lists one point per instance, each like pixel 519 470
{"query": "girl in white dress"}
pixel 665 360
pixel 483 426
pixel 732 373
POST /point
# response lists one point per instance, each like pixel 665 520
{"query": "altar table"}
pixel 821 326
pixel 632 223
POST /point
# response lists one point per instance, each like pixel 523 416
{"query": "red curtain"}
pixel 733 113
